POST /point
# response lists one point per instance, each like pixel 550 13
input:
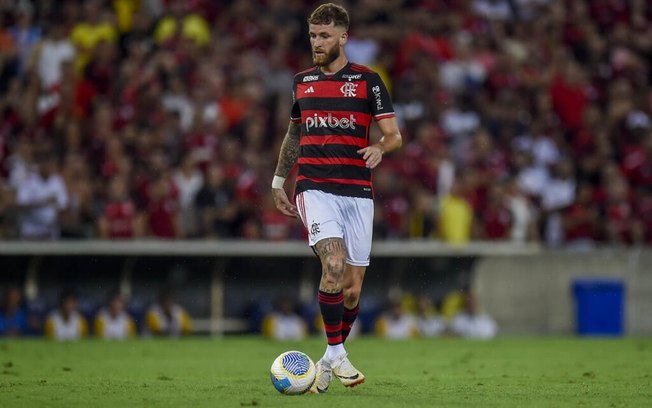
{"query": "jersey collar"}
pixel 335 76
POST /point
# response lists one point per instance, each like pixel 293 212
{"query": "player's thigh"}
pixel 358 218
pixel 319 215
pixel 332 250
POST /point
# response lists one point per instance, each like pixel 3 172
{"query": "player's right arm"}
pixel 286 160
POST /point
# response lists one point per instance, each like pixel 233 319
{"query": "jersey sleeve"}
pixel 295 115
pixel 380 102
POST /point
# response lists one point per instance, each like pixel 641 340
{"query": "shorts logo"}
pixel 349 89
pixel 314 228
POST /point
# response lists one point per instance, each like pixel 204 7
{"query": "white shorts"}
pixel 327 215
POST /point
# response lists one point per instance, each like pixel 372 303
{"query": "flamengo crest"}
pixel 348 89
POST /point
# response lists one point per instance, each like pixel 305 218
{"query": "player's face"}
pixel 326 42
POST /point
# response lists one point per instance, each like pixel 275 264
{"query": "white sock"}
pixel 333 352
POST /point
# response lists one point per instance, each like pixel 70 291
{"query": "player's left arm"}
pixel 380 106
pixel 391 140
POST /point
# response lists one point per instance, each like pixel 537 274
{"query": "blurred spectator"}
pixel 284 323
pixel 453 302
pixel 167 318
pixel 462 73
pixel 40 199
pixel 558 195
pixel 181 24
pixel 120 218
pixel 20 163
pixel 471 323
pixel 274 225
pixel 493 9
pixel 55 49
pixel 396 323
pixel 112 322
pixel 580 220
pixel 65 322
pixel 495 219
pixel 429 324
pixel 13 316
pixel 422 216
pixel 95 27
pixel 621 224
pixel 460 120
pixel 25 34
pixel 189 180
pixel 162 211
pixel 523 213
pixel 455 216
pixel 77 219
pixel 216 208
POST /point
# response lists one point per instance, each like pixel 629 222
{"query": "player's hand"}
pixel 372 155
pixel 283 204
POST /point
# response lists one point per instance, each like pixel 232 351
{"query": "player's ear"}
pixel 344 37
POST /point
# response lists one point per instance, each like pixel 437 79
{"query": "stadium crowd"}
pixel 523 119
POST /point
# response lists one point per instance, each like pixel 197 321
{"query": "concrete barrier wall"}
pixel 532 294
pixel 525 287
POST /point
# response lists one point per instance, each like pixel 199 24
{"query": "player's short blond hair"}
pixel 330 13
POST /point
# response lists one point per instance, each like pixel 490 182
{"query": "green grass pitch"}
pixel 234 372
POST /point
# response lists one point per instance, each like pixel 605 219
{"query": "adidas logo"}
pixel 309 90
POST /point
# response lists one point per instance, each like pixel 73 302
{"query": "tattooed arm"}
pixel 286 160
pixel 289 151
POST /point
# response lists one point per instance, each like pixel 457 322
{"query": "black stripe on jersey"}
pixel 335 104
pixel 359 131
pixel 339 171
pixel 331 150
pixel 348 190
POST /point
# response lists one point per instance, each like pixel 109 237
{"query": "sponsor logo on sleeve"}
pixel 379 101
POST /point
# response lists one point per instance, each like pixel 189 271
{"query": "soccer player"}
pixel 328 137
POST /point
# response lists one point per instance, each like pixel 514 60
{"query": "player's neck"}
pixel 334 66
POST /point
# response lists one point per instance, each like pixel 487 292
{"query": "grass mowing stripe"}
pixel 233 372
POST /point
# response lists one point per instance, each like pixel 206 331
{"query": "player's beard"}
pixel 326 60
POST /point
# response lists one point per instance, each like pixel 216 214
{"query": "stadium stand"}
pixel 513 106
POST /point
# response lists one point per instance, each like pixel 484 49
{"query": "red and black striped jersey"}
pixel 335 112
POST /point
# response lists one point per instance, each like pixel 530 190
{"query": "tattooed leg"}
pixel 332 253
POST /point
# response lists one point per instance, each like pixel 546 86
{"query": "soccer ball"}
pixel 292 373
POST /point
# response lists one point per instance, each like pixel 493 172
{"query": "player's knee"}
pixel 333 268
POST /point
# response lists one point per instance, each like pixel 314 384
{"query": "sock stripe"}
pixel 348 318
pixel 350 314
pixel 330 298
pixel 332 327
pixel 332 309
